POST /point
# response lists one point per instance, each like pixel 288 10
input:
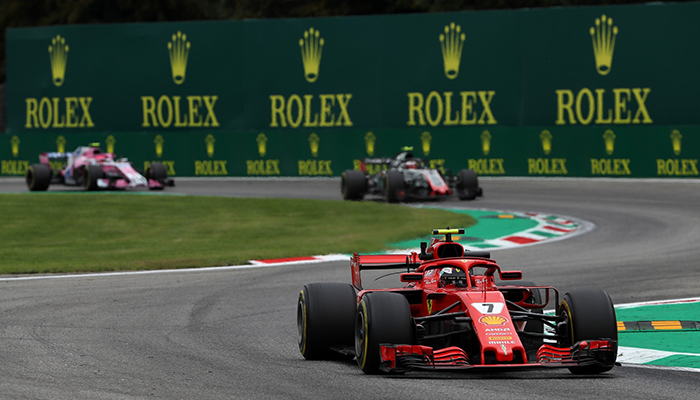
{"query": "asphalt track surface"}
pixel 231 333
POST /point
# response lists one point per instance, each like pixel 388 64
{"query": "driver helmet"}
pixel 411 165
pixel 406 152
pixel 454 276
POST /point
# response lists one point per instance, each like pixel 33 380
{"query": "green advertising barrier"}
pixel 549 152
pixel 584 92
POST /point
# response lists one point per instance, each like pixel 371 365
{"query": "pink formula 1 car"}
pixel 93 169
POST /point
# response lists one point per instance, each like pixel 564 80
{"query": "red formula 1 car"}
pixel 452 315
pixel 91 168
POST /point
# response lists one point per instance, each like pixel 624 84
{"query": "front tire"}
pixel 325 318
pixel 467 185
pixel 590 315
pixel 382 318
pixel 91 174
pixel 353 185
pixel 38 177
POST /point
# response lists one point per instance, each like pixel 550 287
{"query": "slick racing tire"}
pixel 91 173
pixel 589 315
pixel 38 177
pixel 157 172
pixel 325 319
pixel 382 318
pixel 353 185
pixel 394 186
pixel 467 185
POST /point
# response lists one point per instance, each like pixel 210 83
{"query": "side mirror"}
pixel 411 277
pixel 423 255
pixel 511 275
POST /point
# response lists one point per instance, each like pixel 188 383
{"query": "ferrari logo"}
pixel 430 306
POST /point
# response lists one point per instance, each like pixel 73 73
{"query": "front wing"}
pixel 404 358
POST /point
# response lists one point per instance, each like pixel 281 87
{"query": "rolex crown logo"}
pixel 370 140
pixel 61 144
pixel 58 55
pixel 262 144
pixel 603 35
pixel 111 141
pixel 609 138
pixel 451 42
pixel 425 140
pixel 159 145
pixel 209 140
pixel 676 141
pixel 14 142
pixel 179 49
pixel 313 143
pixel 486 142
pixel 311 48
pixel 546 138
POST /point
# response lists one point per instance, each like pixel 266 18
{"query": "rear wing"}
pixel 377 161
pixel 383 261
pixel 45 157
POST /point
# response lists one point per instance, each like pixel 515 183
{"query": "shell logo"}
pixel 493 320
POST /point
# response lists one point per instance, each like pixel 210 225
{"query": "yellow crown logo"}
pixel 58 55
pixel 676 141
pixel 209 140
pixel 61 144
pixel 311 49
pixel 159 145
pixel 492 320
pixel 486 142
pixel 603 35
pixel 370 140
pixel 14 142
pixel 609 138
pixel 425 140
pixel 111 141
pixel 179 49
pixel 451 42
pixel 262 144
pixel 313 143
pixel 546 138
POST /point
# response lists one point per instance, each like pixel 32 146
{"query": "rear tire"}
pixel 38 177
pixel 394 186
pixel 325 318
pixel 157 172
pixel 91 173
pixel 353 185
pixel 590 316
pixel 467 184
pixel 382 318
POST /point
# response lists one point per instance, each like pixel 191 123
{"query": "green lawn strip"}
pixel 79 232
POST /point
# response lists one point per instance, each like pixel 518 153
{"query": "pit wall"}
pixel 583 92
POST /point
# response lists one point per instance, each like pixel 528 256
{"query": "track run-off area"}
pixel 231 332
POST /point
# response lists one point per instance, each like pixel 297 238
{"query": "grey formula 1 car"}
pixel 406 178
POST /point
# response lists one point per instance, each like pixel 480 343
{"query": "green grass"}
pixel 80 232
